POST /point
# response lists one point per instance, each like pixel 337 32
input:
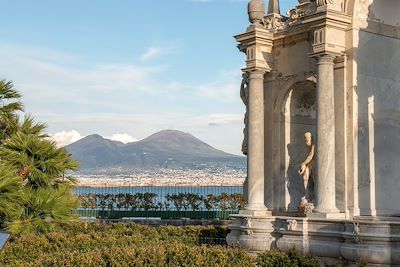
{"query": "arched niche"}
pixel 298 116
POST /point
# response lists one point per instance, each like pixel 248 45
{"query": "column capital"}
pixel 255 73
pixel 325 59
pixel 324 54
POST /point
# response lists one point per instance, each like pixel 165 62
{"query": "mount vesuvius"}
pixel 164 149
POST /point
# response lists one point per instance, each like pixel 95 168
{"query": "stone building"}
pixel 330 68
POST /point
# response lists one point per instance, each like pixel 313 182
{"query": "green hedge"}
pixel 94 244
pixel 153 202
pixel 163 214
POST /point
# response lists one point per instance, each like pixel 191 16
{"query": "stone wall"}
pixel 378 88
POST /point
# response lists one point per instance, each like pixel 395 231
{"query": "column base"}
pixel 256 213
pixel 326 215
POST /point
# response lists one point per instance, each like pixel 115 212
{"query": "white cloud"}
pixel 122 137
pixel 69 92
pixel 151 53
pixel 65 138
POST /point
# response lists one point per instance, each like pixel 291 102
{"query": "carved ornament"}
pixel 294 16
pixel 291 225
pixel 331 4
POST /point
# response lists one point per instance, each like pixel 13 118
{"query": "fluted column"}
pixel 325 182
pixel 255 154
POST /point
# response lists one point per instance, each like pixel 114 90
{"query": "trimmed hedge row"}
pixel 153 202
pixel 93 244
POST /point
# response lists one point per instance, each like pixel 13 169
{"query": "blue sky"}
pixel 128 67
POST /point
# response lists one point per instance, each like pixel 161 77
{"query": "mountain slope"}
pixel 167 148
pixel 94 151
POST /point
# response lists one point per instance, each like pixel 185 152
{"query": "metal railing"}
pixel 165 202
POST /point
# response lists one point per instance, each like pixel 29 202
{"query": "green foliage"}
pixel 9 104
pixel 361 263
pixel 147 201
pixel 35 193
pixel 30 127
pixel 290 259
pixel 44 208
pixel 10 193
pixel 37 160
pixel 91 244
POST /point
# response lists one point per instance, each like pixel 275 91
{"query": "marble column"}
pixel 255 154
pixel 325 178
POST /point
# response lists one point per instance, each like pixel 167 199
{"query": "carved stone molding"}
pixel 291 225
pixel 296 14
pixel 247 225
pixel 336 5
pixel 356 232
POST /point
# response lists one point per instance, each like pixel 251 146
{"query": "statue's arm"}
pixel 310 156
pixel 243 91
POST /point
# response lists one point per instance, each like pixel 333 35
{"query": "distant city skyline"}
pixel 127 69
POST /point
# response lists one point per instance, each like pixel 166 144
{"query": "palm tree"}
pixel 31 127
pixel 10 104
pixel 44 208
pixel 34 192
pixel 10 194
pixel 38 161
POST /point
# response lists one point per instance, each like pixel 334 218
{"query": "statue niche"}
pixel 298 117
pixel 306 171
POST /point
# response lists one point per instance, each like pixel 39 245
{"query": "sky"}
pixel 127 69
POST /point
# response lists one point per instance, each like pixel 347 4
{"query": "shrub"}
pixel 93 244
pixel 290 259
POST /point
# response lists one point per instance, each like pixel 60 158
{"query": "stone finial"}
pixel 256 11
pixel 273 7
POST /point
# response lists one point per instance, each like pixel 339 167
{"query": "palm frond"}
pixel 10 193
pixel 46 163
pixel 29 126
pixel 45 208
pixel 7 90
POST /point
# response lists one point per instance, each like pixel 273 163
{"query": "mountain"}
pixel 167 148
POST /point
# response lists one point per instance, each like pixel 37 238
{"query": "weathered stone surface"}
pixel 331 69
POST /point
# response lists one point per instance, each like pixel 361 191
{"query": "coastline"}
pixel 163 177
pixel 129 183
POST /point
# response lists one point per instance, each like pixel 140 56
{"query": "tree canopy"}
pixel 35 189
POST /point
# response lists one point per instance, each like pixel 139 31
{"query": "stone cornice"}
pixel 257 44
pixel 299 31
pixel 256 36
pixel 328 18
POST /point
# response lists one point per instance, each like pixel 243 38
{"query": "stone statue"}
pixel 306 170
pixel 244 95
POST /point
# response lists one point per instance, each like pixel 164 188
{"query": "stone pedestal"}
pixel 251 233
pixel 370 239
pixel 325 178
pixel 255 169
